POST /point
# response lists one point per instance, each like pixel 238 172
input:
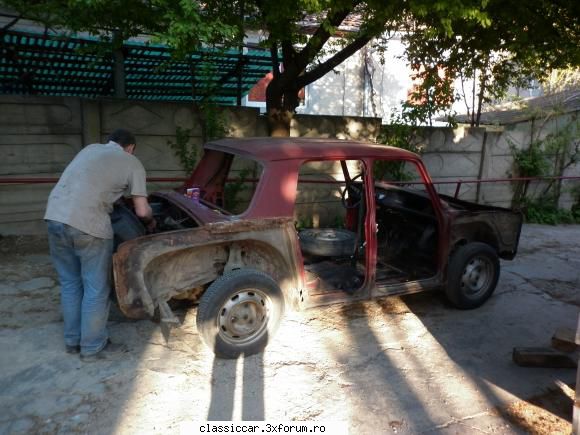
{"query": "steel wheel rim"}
pixel 243 318
pixel 477 276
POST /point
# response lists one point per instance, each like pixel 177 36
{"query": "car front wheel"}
pixel 240 312
pixel 472 275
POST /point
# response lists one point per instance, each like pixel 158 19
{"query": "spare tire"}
pixel 327 242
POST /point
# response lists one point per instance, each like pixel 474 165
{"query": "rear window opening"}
pixel 226 181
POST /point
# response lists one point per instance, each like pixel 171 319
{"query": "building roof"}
pixel 563 102
pixel 289 148
pixel 37 63
pixel 351 23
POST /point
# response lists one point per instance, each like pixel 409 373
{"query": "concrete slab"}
pixel 398 365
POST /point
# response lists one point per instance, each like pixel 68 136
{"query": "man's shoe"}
pixel 73 349
pixel 110 350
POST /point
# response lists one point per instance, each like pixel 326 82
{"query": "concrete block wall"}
pixel 478 153
pixel 35 140
pixel 340 127
pixel 39 136
pixel 451 155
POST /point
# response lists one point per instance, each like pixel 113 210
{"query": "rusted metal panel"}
pixel 197 210
pixel 157 267
pixel 495 226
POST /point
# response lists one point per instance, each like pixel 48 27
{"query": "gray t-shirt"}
pixel 98 176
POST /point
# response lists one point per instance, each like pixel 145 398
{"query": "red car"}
pixel 295 223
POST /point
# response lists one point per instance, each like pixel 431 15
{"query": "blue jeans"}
pixel 83 265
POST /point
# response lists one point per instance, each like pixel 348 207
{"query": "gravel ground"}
pixel 397 365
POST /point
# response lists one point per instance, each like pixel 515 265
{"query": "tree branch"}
pixel 333 19
pixel 11 23
pixel 275 61
pixel 333 62
pixel 288 53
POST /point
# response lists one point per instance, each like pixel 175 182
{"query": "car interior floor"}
pixel 324 275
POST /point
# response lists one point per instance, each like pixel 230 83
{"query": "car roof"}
pixel 291 148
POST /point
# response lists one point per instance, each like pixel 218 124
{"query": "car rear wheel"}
pixel 472 275
pixel 240 312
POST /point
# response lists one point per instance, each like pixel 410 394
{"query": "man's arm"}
pixel 143 210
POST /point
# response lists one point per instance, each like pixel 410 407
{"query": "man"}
pixel 80 237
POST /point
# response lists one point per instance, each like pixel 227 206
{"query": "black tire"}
pixel 472 275
pixel 239 313
pixel 327 242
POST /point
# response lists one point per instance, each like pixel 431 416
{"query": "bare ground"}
pixel 398 365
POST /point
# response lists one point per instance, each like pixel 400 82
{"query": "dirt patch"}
pixel 549 413
pixel 22 245
pixel 408 364
pixel 538 248
pixel 564 291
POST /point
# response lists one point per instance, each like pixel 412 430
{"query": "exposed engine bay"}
pixel 168 216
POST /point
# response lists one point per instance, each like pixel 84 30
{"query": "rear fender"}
pixel 153 269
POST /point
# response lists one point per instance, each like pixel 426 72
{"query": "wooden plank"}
pixel 564 340
pixel 542 357
pixel 576 419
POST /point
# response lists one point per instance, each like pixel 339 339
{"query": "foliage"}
pixel 546 211
pixel 560 80
pixel 507 48
pixel 477 38
pixel 213 120
pixel 305 222
pixel 432 97
pixel 530 162
pixel 307 59
pixel 183 25
pixel 233 188
pixel 548 154
pixel 212 117
pixel 213 127
pixel 402 132
pixel 185 152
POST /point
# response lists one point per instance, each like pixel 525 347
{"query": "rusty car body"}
pixel 246 266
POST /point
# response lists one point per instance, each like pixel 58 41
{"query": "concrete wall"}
pixel 469 154
pixel 478 153
pixel 39 136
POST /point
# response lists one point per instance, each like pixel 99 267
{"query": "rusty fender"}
pixel 498 228
pixel 150 270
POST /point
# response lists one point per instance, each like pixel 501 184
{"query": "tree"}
pixel 306 41
pixel 185 25
pixel 300 54
pixel 516 44
pixel 303 54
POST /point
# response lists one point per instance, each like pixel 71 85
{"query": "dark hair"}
pixel 122 137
